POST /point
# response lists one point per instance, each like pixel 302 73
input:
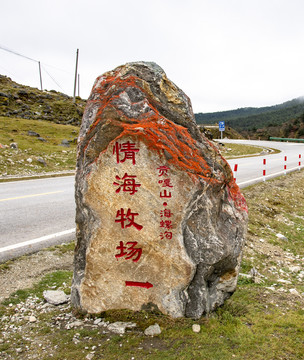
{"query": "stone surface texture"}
pixel 153 330
pixel 120 327
pixel 55 297
pixel 160 221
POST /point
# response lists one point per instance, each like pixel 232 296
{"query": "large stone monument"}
pixel 160 220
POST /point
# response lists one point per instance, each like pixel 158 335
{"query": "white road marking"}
pixel 35 241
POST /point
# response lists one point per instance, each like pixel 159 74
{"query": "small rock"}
pixel 119 327
pixel 55 297
pixel 33 133
pixel 41 161
pixel 196 328
pixel 295 269
pixel 29 160
pixel 153 330
pixel 262 240
pixel 272 288
pixel 294 292
pixel 14 146
pixel 281 236
pixel 256 276
pixel 74 324
pixel 41 139
pixel 97 321
pixel 32 319
pixel 90 356
pixel 247 276
pixel 65 143
pixel 283 281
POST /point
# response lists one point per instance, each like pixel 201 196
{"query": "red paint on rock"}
pixel 157 132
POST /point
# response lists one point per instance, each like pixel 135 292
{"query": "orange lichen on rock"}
pixel 155 130
pixel 236 196
pixel 149 125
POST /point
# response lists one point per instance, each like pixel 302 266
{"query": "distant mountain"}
pixel 251 118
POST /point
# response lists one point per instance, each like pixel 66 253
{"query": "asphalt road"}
pixel 250 169
pixel 35 214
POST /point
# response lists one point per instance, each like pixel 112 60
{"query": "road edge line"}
pixel 35 241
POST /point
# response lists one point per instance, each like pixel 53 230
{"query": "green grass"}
pixel 244 328
pixel 56 157
pixel 277 207
pixel 54 280
pixel 238 150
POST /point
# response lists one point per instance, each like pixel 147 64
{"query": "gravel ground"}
pixel 25 271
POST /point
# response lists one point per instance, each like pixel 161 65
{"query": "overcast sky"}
pixel 224 54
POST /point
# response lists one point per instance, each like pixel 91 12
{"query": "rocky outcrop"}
pixel 160 221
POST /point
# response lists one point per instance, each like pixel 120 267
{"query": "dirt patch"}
pixel 22 273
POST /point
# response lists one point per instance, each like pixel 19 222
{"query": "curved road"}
pixel 250 169
pixel 35 214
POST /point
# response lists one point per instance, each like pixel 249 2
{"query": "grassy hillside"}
pixel 29 103
pixel 28 147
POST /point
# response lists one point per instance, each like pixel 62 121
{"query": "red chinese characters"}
pixel 129 251
pixel 166 234
pixel 127 219
pixel 163 171
pixel 125 151
pixel 165 223
pixel 126 184
pixel 166 213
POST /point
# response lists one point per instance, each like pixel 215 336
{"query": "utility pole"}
pixel 40 75
pixel 75 82
pixel 78 85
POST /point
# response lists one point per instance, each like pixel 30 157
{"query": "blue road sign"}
pixel 222 126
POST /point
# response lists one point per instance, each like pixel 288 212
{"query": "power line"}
pixel 52 78
pixel 56 68
pixel 14 52
pixel 26 57
pixel 40 65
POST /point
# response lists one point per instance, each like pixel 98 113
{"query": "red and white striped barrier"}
pixel 235 171
pixel 264 170
pixel 300 161
pixel 285 164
